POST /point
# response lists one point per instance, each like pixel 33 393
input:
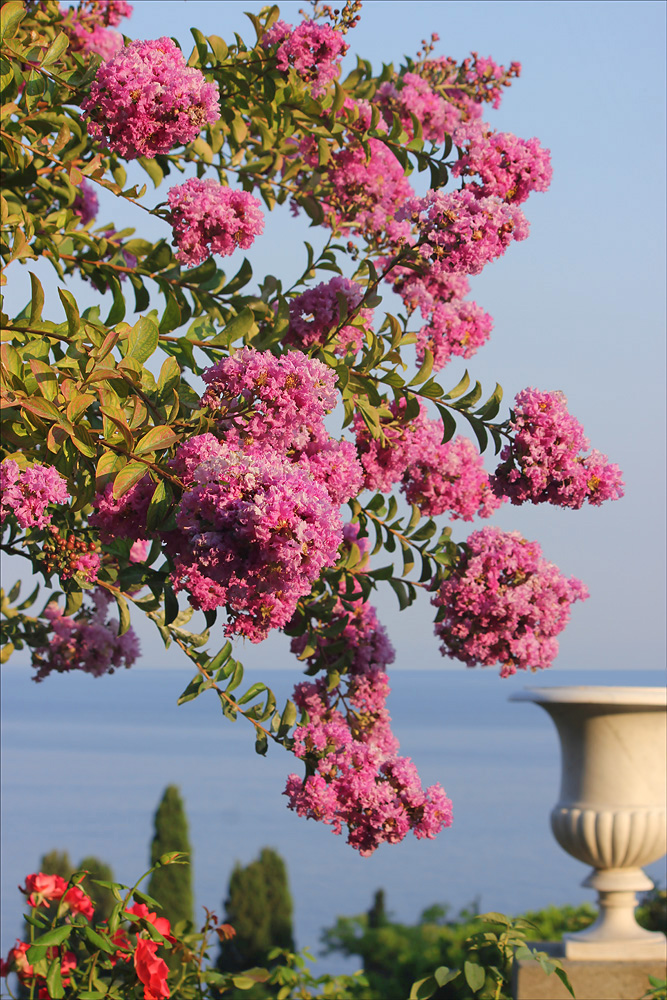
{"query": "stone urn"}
pixel 611 809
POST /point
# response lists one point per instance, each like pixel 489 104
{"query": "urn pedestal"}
pixel 611 809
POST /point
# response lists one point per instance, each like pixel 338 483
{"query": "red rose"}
pixel 161 924
pixel 40 887
pixel 151 970
pixel 79 902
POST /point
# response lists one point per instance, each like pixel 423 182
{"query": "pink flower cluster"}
pixel 255 532
pixel 259 517
pixel 362 188
pixel 89 642
pixel 85 203
pixel 462 231
pixel 438 477
pixel 27 494
pixel 208 218
pixel 456 328
pixel 274 401
pixel 145 100
pixel 415 96
pixel 312 50
pixel 124 517
pixel 43 889
pixel 476 81
pixel 544 462
pixel 450 477
pixel 378 796
pixel 509 168
pixel 88 25
pixel 504 604
pixel 453 325
pixel 315 314
pixel 354 776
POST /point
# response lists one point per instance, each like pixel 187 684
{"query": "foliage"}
pixel 395 955
pixel 259 907
pixel 171 885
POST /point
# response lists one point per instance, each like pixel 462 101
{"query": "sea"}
pixel 85 761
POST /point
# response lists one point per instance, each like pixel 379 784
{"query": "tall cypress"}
pixel 172 884
pixel 259 908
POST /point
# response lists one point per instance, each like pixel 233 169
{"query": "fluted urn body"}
pixel 611 809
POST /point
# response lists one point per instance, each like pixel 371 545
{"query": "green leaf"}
pixel 155 439
pixel 55 49
pixel 171 317
pixel 170 605
pixel 448 423
pixel 117 311
pixel 159 505
pixel 237 327
pixel 53 937
pixel 124 613
pixel 288 718
pixel 54 980
pixel 459 389
pixel 425 369
pixel 193 690
pixel 474 975
pixel 11 15
pixel 37 300
pixel 143 340
pixel 423 989
pixel 98 942
pixel 562 975
pixel 127 477
pixel 252 692
pixel 71 311
pixel 443 975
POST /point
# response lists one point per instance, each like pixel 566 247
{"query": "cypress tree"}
pixel 259 908
pixel 171 886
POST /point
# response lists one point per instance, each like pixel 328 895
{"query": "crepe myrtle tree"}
pixel 125 485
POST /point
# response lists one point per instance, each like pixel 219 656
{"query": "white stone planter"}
pixel 611 809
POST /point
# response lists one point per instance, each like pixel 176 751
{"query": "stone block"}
pixel 604 979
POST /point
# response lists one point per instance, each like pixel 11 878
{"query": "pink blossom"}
pixel 312 50
pixel 139 550
pixel 208 218
pixel 455 328
pixel 26 494
pixel 415 96
pixel 504 604
pixel 508 167
pixel 315 314
pixel 480 80
pixel 269 399
pixel 255 533
pixel 463 232
pixel 332 463
pixel 544 461
pixel 85 203
pixel 93 39
pixel 385 462
pixel 125 516
pixel 433 284
pixel 145 100
pixel 376 794
pixel 89 642
pixel 450 477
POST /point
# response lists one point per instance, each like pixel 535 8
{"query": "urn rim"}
pixel 594 695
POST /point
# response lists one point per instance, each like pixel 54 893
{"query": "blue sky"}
pixel 579 306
